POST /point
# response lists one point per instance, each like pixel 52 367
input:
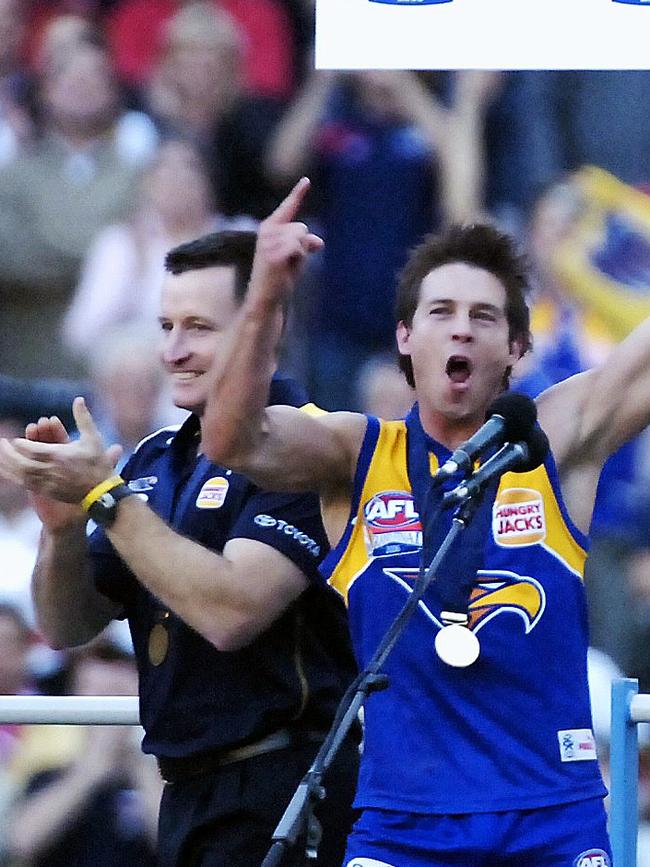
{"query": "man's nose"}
pixel 462 327
pixel 175 348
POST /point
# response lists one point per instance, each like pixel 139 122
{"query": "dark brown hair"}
pixel 232 248
pixel 481 246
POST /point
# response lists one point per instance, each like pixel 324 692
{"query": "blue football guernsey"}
pixel 511 732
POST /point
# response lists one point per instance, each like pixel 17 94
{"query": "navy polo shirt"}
pixel 199 699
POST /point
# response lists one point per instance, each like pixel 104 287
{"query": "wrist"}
pixel 101 502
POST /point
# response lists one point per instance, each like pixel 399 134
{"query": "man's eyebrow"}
pixel 486 305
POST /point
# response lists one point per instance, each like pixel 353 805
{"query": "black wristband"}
pixel 104 510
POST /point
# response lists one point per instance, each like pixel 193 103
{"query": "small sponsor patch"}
pixel 213 493
pixel 518 518
pixel 593 858
pixel 280 526
pixel 145 483
pixel 391 523
pixel 577 745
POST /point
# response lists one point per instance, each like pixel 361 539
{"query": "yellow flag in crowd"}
pixel 604 261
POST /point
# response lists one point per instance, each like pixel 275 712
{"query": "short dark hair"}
pixel 230 248
pixel 482 246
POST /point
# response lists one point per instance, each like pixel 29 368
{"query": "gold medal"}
pixel 158 644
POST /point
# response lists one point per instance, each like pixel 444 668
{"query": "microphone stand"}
pixel 299 813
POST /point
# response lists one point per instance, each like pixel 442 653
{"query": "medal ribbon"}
pixel 456 575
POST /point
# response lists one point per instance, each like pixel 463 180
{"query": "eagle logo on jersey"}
pixel 495 592
pixel 506 591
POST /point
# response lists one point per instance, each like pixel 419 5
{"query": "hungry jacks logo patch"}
pixel 518 518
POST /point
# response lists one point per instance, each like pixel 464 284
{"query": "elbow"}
pixel 235 635
pixel 62 636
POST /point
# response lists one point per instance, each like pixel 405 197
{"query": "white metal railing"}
pixel 70 710
pixel 628 709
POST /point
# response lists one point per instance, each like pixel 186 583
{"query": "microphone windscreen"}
pixel 519 414
pixel 538 446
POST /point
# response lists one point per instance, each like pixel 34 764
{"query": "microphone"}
pixel 510 417
pixel 522 456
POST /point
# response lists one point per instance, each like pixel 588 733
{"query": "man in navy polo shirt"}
pixel 242 658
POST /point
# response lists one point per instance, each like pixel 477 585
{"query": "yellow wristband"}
pixel 99 490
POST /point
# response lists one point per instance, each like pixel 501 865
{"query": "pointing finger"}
pixel 287 209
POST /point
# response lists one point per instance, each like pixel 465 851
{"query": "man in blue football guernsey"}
pixel 242 655
pixel 493 763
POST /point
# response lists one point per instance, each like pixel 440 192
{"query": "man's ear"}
pixel 402 335
pixel 516 351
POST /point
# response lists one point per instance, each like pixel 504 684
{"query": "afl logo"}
pixel 392 524
pixel 593 858
pixel 213 493
pixel 518 518
pixel 392 510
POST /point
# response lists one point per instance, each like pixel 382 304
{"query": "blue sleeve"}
pixel 290 523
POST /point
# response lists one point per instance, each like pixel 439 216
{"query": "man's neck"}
pixel 448 431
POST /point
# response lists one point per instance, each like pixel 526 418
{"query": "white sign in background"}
pixel 483 34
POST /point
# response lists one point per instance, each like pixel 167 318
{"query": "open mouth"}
pixel 459 368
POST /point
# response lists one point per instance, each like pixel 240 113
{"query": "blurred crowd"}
pixel 129 126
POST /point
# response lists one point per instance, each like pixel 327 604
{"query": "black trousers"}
pixel 225 818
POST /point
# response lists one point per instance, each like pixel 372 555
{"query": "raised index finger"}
pixel 287 210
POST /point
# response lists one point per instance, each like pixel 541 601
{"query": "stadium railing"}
pixel 629 708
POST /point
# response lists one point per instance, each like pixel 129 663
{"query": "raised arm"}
pixel 290 146
pixel 281 448
pixel 589 416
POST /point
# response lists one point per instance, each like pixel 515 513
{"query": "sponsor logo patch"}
pixel 213 493
pixel 518 518
pixel 280 526
pixel 593 858
pixel 391 523
pixel 577 745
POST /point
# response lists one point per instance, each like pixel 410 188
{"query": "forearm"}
pixel 463 151
pixel 289 149
pixel 423 109
pixel 234 420
pixel 197 584
pixel 69 609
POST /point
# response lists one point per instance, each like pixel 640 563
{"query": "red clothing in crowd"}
pixel 135 28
